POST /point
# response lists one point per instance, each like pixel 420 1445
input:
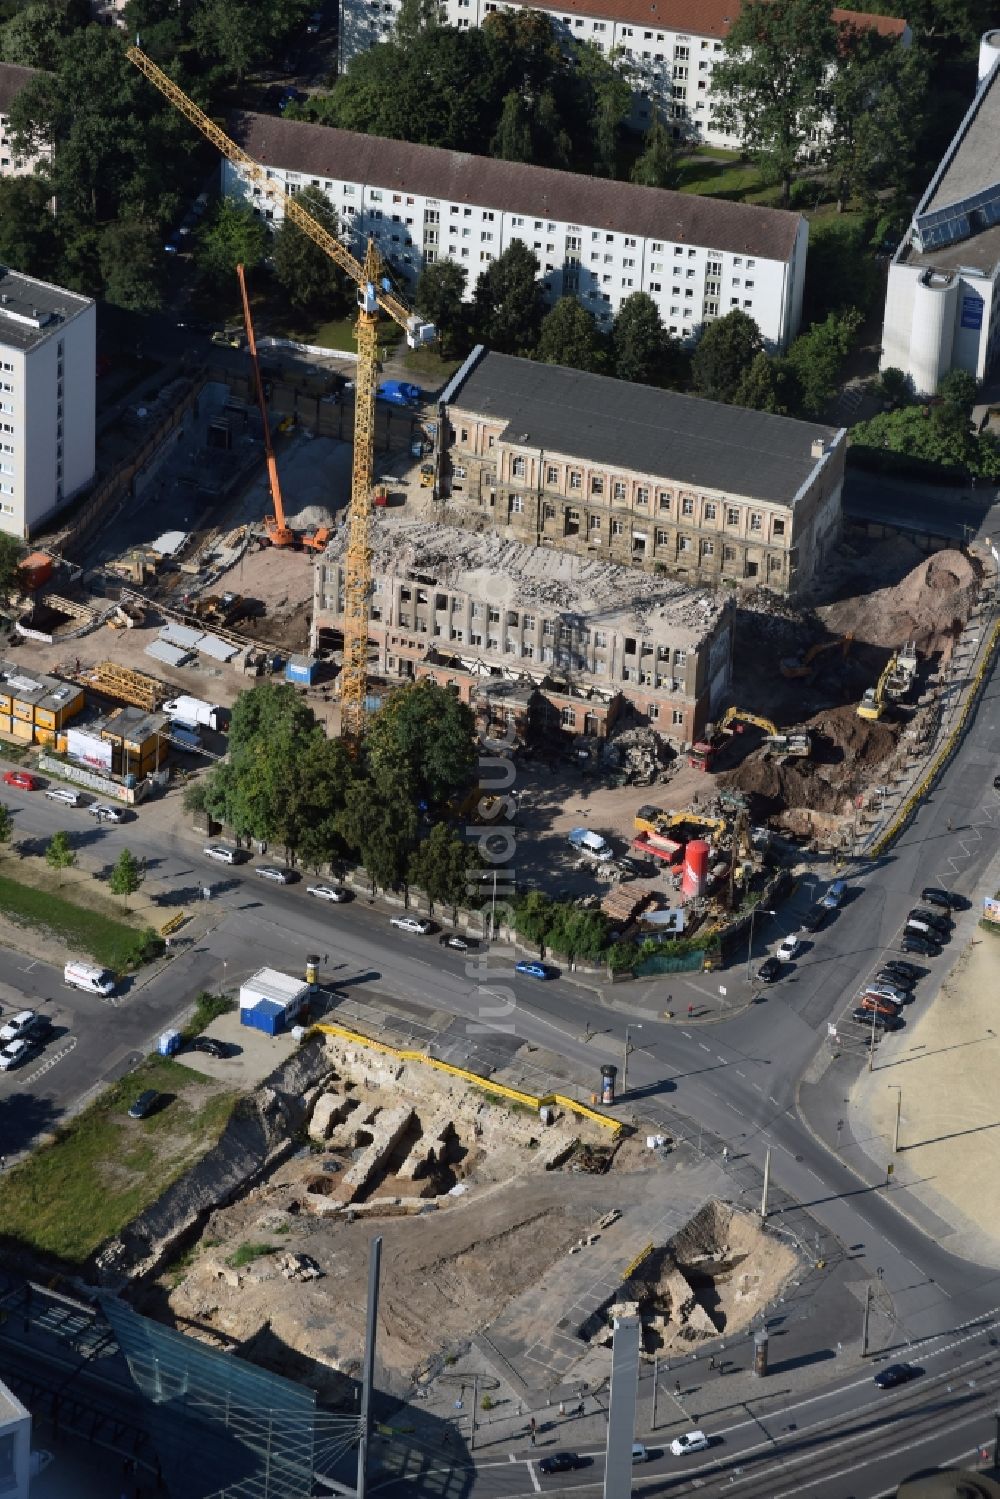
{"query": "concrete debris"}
pixel 642 754
pixel 299 1267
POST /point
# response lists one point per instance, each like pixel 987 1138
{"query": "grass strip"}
pixel 104 1168
pixel 111 942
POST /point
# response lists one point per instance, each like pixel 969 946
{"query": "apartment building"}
pixel 637 476
pixel 12 81
pixel 15 1446
pixel 597 240
pixel 47 399
pixel 942 302
pixel 668 47
pixel 478 613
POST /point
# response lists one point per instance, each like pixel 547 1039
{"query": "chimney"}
pixel 818 447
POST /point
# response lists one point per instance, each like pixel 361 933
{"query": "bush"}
pixel 208 1007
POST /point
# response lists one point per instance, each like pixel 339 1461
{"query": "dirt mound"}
pixel 930 605
pixel 846 749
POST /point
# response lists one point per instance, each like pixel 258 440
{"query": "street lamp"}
pixel 899 1106
pixel 635 1026
pixel 756 910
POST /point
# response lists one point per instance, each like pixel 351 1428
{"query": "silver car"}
pixel 889 991
pixel 328 892
pixel 272 872
pixel 414 924
pixel 220 853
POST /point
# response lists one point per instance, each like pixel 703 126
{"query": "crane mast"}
pixel 374 295
pixel 278 532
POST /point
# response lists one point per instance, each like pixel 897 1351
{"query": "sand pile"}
pixel 846 752
pixel 930 605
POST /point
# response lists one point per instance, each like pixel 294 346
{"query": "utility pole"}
pixel 754 912
pixel 656 1382
pixel 871 1048
pixel 864 1325
pixel 368 1371
pixel 767 1183
pixel 635 1026
pixel 475 1407
pixel 899 1106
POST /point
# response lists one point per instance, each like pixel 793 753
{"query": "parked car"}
pixel 691 1441
pixel 896 1374
pixel 897 979
pixel 910 971
pixel 883 1021
pixel 834 897
pixel 333 893
pixel 933 919
pixel 22 779
pixel 15 1052
pixel 814 918
pixel 640 1453
pixel 209 1046
pixel 418 925
pixel 889 990
pixel 221 854
pixel 788 949
pixel 914 942
pixel 106 814
pixel 879 1003
pixel 275 874
pixel 144 1104
pixel 769 970
pixel 63 794
pixel 456 940
pixel 931 895
pixel 561 1462
pixel 534 970
pixel 19 1026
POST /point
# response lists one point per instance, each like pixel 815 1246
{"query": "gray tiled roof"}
pixel 12 81
pixel 639 429
pixel 510 186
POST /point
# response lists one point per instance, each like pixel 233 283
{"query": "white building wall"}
pixel 688 283
pixel 12 165
pixel 15 1446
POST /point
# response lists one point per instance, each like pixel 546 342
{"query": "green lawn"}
pixel 113 943
pixel 103 1168
pixel 731 178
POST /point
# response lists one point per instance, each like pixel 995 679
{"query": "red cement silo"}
pixel 696 857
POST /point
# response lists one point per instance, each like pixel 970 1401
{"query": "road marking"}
pixel 703 1046
pixel 51 1061
pixel 771 1096
pixel 739 1073
pixel 533 1476
pixel 757 1088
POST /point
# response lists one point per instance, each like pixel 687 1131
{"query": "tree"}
pixel 58 854
pixel 959 389
pixel 768 86
pixel 508 301
pixel 930 434
pixel 130 260
pixel 760 386
pixel 657 166
pixel 639 341
pixel 6 825
pixel 815 358
pixel 570 336
pixel 32 38
pixel 421 747
pixel 533 917
pixel 512 141
pixel 28 239
pixel 438 295
pixel 895 386
pixel 10 560
pixel 382 831
pixel 726 350
pixel 234 235
pixel 610 104
pixel 874 96
pixel 414 18
pixel 126 875
pixel 311 279
pixel 441 864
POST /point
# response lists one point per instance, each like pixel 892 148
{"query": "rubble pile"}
pixel 929 606
pixel 847 751
pixel 641 754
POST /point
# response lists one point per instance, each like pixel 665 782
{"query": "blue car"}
pixel 534 970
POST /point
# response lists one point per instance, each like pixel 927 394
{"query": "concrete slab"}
pixel 252 1054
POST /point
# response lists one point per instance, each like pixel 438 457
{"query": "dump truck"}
pixel 197 711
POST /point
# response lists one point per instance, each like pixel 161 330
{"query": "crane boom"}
pixel 374 292
pixel 278 531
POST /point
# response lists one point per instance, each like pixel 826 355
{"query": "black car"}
pixel 144 1104
pixel 882 1022
pixel 913 942
pixel 932 919
pixel 896 1374
pixel 561 1462
pixel 814 918
pixel 904 970
pixel 894 977
pixel 209 1046
pixel 932 896
pixel 769 970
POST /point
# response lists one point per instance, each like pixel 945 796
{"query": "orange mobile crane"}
pixel 374 293
pixel 279 534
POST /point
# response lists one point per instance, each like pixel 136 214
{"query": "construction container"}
pixel 35 571
pixel 169 1043
pixel 301 669
pixel 272 1001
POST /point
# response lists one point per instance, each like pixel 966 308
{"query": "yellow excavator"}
pixel 792 667
pixel 872 705
pixel 795 742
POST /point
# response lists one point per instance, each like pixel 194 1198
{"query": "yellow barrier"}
pixel 408 1054
pixel 908 808
pixel 173 923
pixel 642 1255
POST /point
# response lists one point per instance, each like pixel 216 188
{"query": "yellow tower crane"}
pixel 374 292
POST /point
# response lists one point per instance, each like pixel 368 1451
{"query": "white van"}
pixel 89 977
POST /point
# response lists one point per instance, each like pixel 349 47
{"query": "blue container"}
pixel 169 1043
pixel 267 1015
pixel 372 703
pixel 301 669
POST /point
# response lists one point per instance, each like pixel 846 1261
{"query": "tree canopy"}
pixel 421 746
pixel 311 279
pixel 641 348
pixel 438 295
pixel 570 336
pixel 233 236
pixel 726 350
pixel 507 304
pixel 936 434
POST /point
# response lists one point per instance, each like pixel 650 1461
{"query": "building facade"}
pixel 47 399
pixel 599 241
pixel 942 303
pixel 475 612
pixel 668 48
pixel 15 1446
pixel 640 477
pixel 12 81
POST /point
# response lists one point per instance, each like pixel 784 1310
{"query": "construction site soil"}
pixel 928 606
pixel 848 752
